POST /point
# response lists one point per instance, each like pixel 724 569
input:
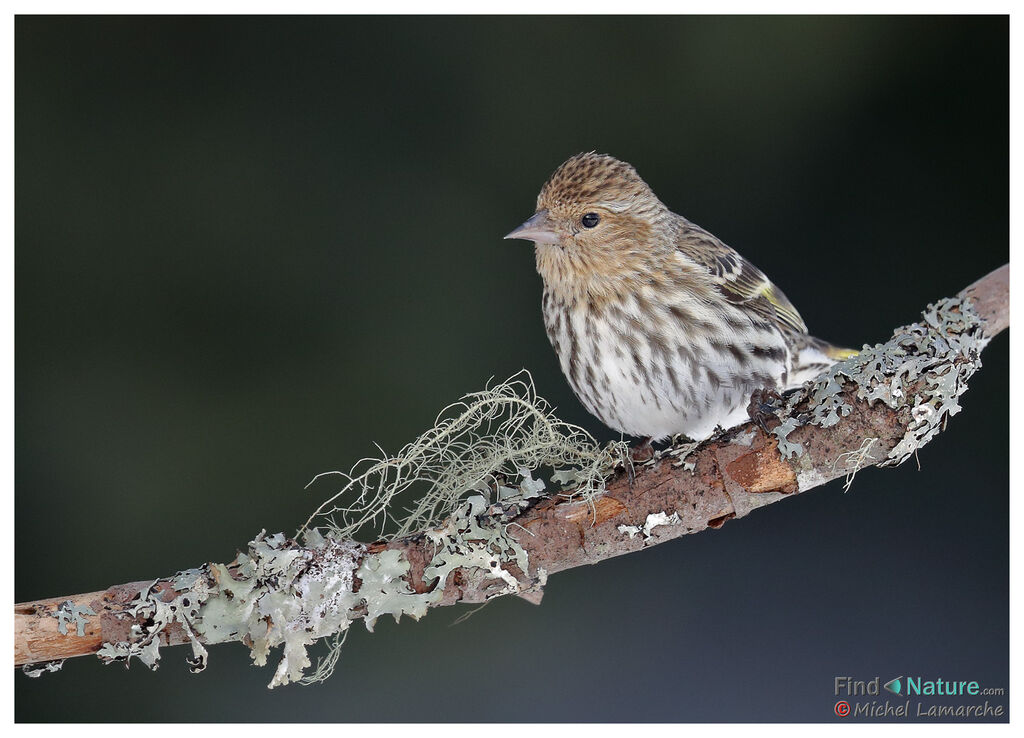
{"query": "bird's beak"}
pixel 537 229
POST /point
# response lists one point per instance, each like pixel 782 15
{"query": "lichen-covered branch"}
pixel 876 408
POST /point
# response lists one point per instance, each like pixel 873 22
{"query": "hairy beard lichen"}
pixel 475 447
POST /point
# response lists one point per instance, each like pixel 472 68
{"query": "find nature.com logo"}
pixel 909 687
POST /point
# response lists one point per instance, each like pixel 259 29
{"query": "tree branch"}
pixel 874 409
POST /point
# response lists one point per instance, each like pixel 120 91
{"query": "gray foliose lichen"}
pixel 280 593
pixel 924 367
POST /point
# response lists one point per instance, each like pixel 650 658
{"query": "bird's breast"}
pixel 651 366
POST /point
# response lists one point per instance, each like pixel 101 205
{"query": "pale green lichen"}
pixel 385 592
pixel 287 595
pixel 788 448
pixel 464 543
pixel 276 594
pixel 71 612
pixel 153 615
pixel 34 671
pixel 827 404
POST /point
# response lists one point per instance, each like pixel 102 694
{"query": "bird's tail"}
pixel 812 356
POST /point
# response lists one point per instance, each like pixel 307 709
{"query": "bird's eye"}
pixel 590 220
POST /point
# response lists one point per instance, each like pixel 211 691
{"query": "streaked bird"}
pixel 660 328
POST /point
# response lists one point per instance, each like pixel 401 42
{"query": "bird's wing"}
pixel 739 281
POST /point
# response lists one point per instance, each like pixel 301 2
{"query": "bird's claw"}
pixel 764 406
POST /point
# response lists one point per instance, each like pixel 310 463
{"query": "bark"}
pixel 776 456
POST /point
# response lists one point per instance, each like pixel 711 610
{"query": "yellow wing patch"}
pixel 784 310
pixel 834 352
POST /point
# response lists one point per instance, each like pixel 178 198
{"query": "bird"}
pixel 660 328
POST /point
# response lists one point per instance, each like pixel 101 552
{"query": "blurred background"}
pixel 249 248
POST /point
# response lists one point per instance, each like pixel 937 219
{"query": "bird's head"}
pixel 596 221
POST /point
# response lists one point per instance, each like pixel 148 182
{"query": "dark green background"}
pixel 248 248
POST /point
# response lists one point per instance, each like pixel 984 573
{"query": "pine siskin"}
pixel 660 327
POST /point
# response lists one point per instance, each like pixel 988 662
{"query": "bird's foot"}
pixel 764 406
pixel 638 454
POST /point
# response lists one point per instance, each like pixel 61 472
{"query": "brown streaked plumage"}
pixel 659 327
